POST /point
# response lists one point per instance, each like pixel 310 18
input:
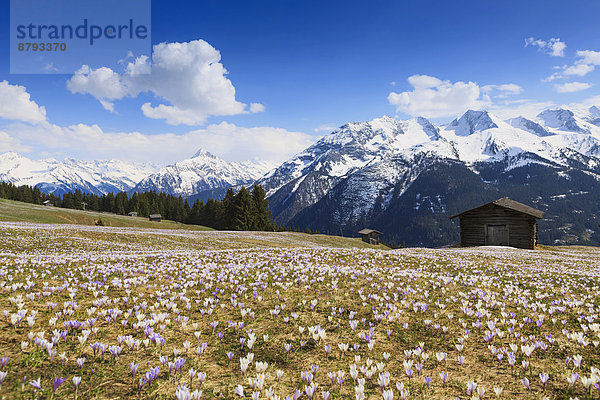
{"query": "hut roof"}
pixel 511 205
pixel 366 231
pixel 155 216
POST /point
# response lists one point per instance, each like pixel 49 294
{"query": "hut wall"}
pixel 522 230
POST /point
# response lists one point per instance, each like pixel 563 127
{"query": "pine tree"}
pixel 225 218
pixel 242 210
pixel 262 215
pixel 37 195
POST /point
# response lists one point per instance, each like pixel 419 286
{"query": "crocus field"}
pixel 98 312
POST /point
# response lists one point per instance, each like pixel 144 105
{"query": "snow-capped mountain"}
pixel 362 172
pixel 203 172
pixel 58 177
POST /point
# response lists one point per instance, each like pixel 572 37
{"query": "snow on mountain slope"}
pixel 470 122
pixel 483 136
pixel 562 119
pixel 360 163
pixel 352 147
pixel 306 178
pixel 53 176
pixel 529 126
pixel 203 171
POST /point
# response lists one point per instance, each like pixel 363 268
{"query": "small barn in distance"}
pixel 370 236
pixel 503 222
pixel 132 214
pixel 47 203
pixel 155 217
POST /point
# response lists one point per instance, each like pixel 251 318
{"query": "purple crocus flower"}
pixel 57 383
pixel 133 367
pixel 427 381
pixel 37 383
pixel 314 368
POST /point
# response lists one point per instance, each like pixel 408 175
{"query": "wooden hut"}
pixel 155 217
pixel 370 236
pixel 503 222
pixel 132 214
pixel 47 203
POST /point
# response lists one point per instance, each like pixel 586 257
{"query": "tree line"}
pixel 244 210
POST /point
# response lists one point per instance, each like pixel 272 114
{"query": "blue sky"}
pixel 307 67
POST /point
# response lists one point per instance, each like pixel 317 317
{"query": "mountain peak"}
pixel 384 123
pixel 203 153
pixel 472 121
pixel 201 173
pixel 594 112
pixel 11 155
pixel 529 126
pixel 561 119
pixel 431 130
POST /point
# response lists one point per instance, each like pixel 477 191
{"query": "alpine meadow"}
pixel 299 200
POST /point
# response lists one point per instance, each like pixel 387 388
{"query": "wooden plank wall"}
pixel 521 227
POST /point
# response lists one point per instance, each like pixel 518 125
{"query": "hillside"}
pixel 15 211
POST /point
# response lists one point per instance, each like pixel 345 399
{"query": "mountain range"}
pixel 200 175
pixel 203 176
pixel 402 177
pixel 405 178
pixel 59 177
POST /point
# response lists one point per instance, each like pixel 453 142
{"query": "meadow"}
pixel 105 312
pixel 17 211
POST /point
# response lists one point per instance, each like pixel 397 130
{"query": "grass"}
pixel 15 211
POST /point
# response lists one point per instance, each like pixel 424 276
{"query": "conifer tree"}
pixel 225 215
pixel 242 210
pixel 262 215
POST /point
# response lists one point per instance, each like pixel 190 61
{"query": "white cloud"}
pixel 507 89
pixel 553 46
pixel 325 128
pixel 524 107
pixel 586 62
pixel 587 103
pixel 578 69
pixel 589 57
pixel 225 140
pixel 188 77
pixel 570 87
pixel 16 104
pixel 256 108
pixel 10 143
pixel 102 83
pixel 432 97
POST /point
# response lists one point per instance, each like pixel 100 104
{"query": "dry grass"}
pixel 15 211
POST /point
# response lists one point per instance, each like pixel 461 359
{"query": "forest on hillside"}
pixel 246 210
